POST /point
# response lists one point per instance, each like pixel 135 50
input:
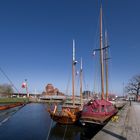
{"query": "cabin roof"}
pixel 102 102
pixel 97 103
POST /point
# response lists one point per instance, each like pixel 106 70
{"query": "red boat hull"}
pixel 5 107
pixel 98 112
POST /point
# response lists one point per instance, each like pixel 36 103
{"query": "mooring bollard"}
pixel 130 101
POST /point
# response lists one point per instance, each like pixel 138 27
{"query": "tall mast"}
pixel 81 77
pixel 73 72
pixel 101 56
pixel 106 64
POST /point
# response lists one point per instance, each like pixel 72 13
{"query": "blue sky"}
pixel 36 41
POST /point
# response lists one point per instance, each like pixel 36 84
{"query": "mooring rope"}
pixel 49 130
pixel 65 131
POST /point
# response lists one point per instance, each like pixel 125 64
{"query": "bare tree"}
pixel 6 88
pixel 133 86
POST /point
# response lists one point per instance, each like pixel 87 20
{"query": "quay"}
pixel 124 126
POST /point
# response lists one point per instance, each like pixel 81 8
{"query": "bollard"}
pixel 130 101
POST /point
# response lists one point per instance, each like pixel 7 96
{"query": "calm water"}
pixel 32 122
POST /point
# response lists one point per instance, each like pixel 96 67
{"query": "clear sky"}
pixel 36 41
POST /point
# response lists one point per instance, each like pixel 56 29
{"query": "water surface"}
pixel 32 122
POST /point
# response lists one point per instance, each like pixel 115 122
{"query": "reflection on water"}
pixel 33 122
pixel 67 132
pixel 89 131
pixel 73 132
pixel 6 114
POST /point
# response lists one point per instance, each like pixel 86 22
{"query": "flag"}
pixel 24 85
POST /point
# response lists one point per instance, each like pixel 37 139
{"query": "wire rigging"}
pixel 67 87
pixel 2 71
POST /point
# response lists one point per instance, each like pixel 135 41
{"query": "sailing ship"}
pixel 69 114
pixel 99 111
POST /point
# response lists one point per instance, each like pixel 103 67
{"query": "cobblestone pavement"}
pixel 127 127
pixel 132 125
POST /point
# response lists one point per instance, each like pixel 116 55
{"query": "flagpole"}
pixel 26 88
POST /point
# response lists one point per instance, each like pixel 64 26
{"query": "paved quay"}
pixel 126 127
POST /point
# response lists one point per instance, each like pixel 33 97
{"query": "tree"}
pixel 134 86
pixel 6 88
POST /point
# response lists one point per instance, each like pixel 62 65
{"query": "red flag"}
pixel 24 85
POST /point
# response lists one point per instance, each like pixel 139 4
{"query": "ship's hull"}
pixel 65 116
pixel 97 112
pixel 64 119
pixel 101 120
pixel 5 107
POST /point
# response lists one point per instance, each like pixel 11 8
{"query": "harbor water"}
pixel 32 122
